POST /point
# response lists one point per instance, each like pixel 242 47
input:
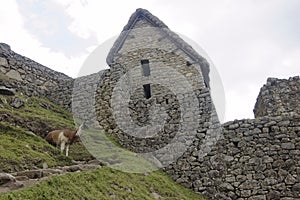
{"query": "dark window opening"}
pixel 147 91
pixel 206 84
pixel 167 101
pixel 188 63
pixel 235 143
pixel 145 67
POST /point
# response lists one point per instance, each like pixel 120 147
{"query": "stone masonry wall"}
pixel 173 78
pixel 278 96
pixel 146 42
pixel 177 119
pixel 250 159
pixel 62 94
pixel 32 78
pixel 256 159
pixel 83 97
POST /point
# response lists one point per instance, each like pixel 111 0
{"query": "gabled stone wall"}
pixel 174 111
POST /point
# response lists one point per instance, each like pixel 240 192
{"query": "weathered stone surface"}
pixel 290 180
pixel 14 75
pixel 32 78
pixel 296 188
pixel 258 197
pixel 277 97
pixel 22 178
pixel 6 178
pixel 3 62
pixel 17 102
pixel 32 174
pixel 273 195
pixel 7 91
pixel 72 168
pixel 226 187
pixel 288 146
pixel 47 172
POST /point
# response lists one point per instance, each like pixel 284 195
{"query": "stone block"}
pixel 6 178
pixel 3 62
pixel 14 75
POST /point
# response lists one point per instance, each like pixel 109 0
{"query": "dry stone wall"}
pixel 254 159
pixel 278 97
pixel 61 94
pixel 83 98
pixel 32 78
pixel 176 118
pixel 249 159
pixel 174 77
pixel 26 70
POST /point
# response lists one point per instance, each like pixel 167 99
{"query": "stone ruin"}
pixel 248 159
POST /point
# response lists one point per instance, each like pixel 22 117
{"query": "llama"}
pixel 64 138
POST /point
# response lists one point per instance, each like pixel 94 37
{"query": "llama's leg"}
pixel 67 149
pixel 62 146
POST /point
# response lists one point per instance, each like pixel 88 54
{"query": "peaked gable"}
pixel 173 37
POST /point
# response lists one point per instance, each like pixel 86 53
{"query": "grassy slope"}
pixel 38 114
pixel 21 150
pixel 105 183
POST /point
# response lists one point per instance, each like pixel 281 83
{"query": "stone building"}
pixel 155 100
pixel 156 94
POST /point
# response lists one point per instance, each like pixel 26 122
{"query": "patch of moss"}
pixel 105 183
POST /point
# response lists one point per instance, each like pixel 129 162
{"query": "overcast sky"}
pixel 247 40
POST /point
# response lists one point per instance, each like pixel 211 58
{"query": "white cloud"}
pixel 13 33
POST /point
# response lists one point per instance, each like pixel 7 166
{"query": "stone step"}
pixel 17 180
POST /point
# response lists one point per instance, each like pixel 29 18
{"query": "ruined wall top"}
pixel 23 69
pixel 278 97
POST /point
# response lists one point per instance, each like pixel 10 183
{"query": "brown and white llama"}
pixel 64 138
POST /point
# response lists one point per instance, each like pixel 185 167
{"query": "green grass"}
pixel 34 116
pixel 21 150
pixel 111 153
pixel 105 183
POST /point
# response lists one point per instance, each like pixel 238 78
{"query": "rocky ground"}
pixel 23 179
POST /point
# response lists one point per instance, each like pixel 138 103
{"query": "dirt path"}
pixel 23 179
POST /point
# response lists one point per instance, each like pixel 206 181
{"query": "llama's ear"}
pixel 81 126
pixel 78 133
pixel 79 130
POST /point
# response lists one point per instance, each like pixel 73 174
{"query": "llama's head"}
pixel 78 131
